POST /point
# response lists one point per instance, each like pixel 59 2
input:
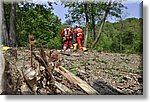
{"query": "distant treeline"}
pixel 124 36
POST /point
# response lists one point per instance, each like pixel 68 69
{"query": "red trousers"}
pixel 79 41
pixel 66 44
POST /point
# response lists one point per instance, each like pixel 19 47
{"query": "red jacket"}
pixel 66 32
pixel 79 32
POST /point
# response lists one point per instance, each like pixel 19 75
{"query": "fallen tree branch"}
pixel 48 68
pixel 76 80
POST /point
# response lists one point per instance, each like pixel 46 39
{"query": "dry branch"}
pixel 77 81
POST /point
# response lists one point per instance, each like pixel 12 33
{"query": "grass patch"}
pixel 102 61
pixel 73 69
pixel 120 79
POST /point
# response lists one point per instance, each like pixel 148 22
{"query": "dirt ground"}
pixel 108 73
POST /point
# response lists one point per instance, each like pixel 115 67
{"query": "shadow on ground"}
pixel 105 89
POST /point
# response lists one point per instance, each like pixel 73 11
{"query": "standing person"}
pixel 79 36
pixel 67 36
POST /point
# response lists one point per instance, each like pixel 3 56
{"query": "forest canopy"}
pixel 24 18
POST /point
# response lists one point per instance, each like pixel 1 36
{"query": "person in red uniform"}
pixel 67 35
pixel 79 36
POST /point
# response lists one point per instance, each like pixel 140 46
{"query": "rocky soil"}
pixel 108 73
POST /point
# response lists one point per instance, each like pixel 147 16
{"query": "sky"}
pixel 132 11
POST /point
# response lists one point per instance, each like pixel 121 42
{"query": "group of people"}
pixel 71 38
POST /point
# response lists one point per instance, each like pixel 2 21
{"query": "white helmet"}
pixel 77 25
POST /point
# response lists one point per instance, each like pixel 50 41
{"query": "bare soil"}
pixel 108 73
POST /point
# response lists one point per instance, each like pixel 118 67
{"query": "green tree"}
pixel 38 19
pixel 92 13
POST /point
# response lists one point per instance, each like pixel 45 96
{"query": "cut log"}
pixel 76 80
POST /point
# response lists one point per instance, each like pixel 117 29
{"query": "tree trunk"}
pixel 12 30
pixel 2 62
pixel 102 25
pixel 93 22
pixel 5 35
pixel 120 37
pixel 1 11
pixel 87 18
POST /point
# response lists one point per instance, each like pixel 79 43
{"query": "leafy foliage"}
pixel 131 35
pixel 38 19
